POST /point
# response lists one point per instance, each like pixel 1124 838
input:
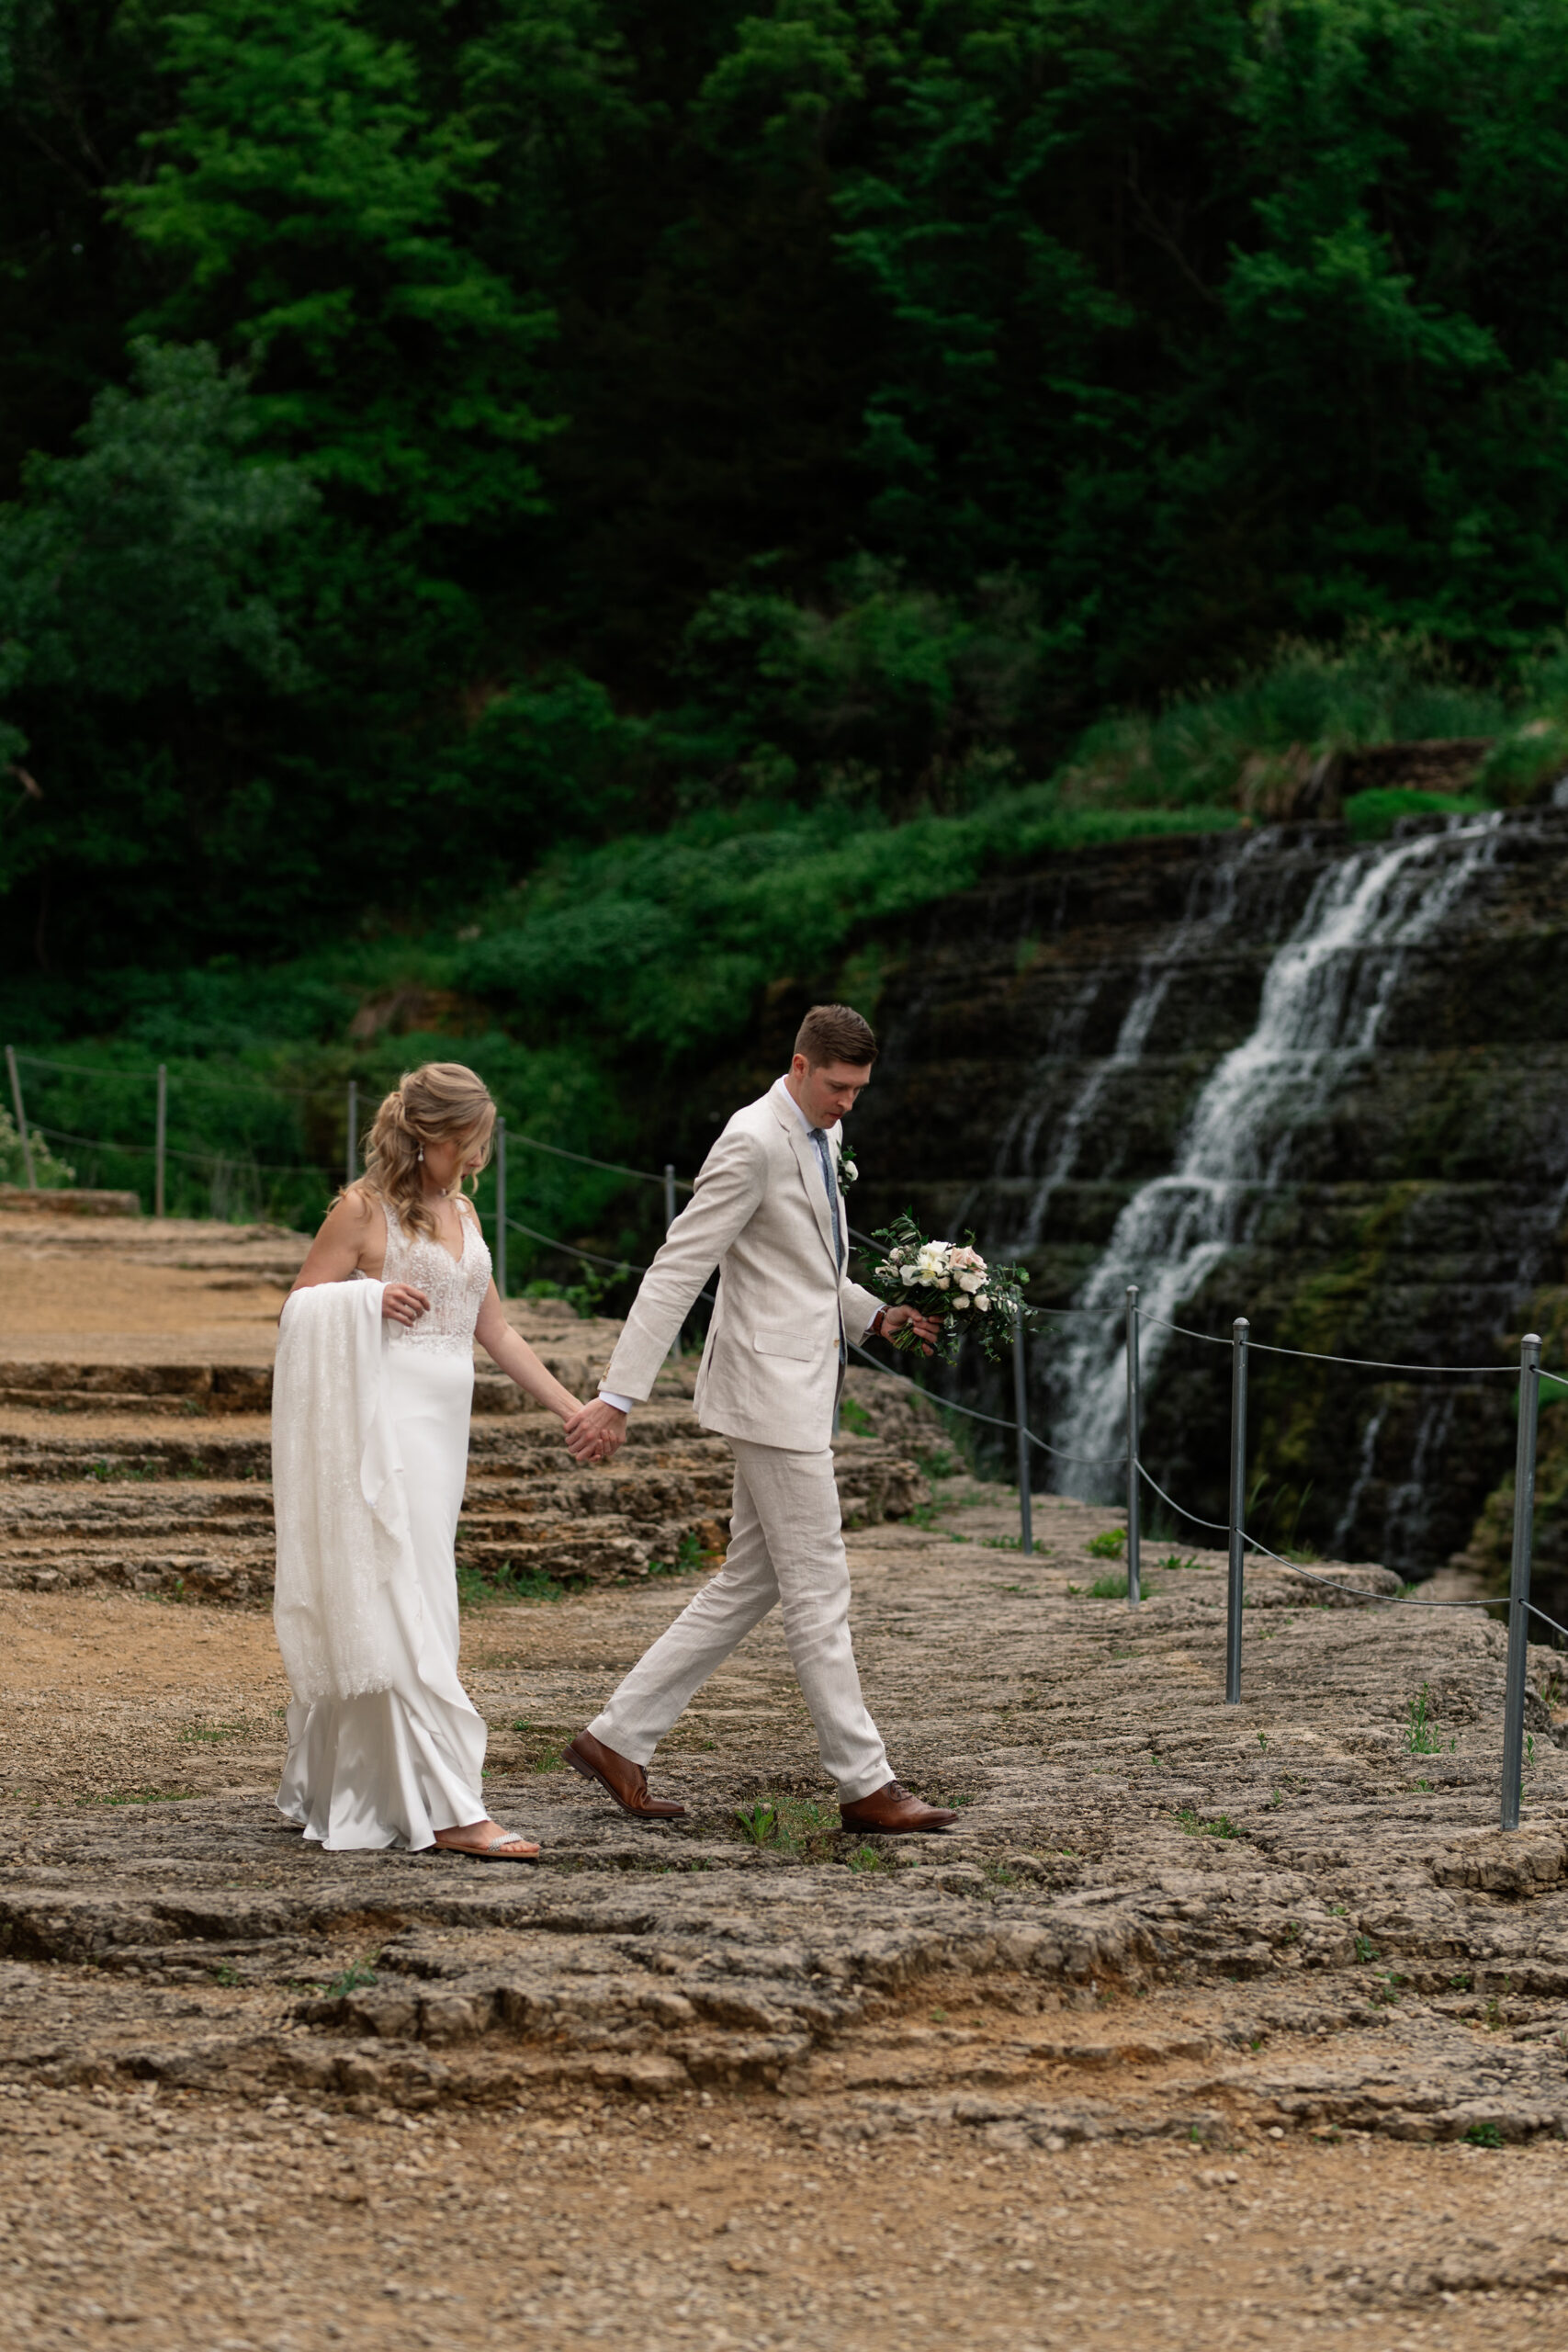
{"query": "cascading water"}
pixel 1211 905
pixel 1324 1000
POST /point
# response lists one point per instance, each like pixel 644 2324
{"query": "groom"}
pixel 767 1212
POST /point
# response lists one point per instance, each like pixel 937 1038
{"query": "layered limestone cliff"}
pixel 1274 1075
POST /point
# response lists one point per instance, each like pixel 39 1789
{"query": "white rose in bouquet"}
pixel 944 1281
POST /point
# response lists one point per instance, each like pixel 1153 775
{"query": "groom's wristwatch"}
pixel 877 1321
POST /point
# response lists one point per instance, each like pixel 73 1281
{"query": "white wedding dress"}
pixel 391 1766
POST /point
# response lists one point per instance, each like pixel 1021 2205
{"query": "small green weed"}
pixel 210 1735
pixel 853 1417
pixel 142 1797
pixel 1421 1734
pixel 1174 1562
pixel 1221 1826
pixel 800 1827
pixel 1483 2135
pixel 1366 1950
pixel 484 1588
pixel 1263 1741
pixel 866 1858
pixel 1108 1588
pixel 940 1461
pixel 1109 1545
pixel 358 1973
pixel 687 1562
pixel 225 1974
pixel 545 1744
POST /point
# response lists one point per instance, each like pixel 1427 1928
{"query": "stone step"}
pixel 94 1491
pixel 185 1534
pixel 38 1448
pixel 119 1514
pixel 208 1572
pixel 76 1387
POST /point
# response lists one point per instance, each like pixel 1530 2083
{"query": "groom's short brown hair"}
pixel 831 1032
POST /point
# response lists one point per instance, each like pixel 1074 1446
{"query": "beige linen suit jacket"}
pixel 759 1214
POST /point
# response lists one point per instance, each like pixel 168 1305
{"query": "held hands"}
pixel 898 1318
pixel 401 1303
pixel 594 1432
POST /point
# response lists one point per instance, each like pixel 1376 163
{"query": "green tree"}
pixel 312 212
pixel 139 649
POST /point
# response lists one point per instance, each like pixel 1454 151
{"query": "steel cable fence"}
pixel 1530 1372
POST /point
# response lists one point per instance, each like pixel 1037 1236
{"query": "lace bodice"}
pixel 454 1287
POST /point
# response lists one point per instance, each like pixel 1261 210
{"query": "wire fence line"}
pixel 327 1086
pixel 176 1151
pixel 1317 1355
pixel 1530 1373
pixel 1357 1592
pixel 681 1184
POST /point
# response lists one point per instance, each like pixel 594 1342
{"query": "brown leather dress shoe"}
pixel 894 1812
pixel 626 1782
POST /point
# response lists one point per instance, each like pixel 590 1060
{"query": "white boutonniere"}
pixel 847 1172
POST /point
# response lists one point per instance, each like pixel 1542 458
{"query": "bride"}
pixel 370 1438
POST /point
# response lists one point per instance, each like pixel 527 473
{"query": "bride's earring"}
pixel 422 1154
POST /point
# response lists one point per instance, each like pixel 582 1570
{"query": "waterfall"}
pixel 1365 1467
pixel 1323 999
pixel 1210 908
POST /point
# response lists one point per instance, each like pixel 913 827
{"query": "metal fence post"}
pixel 501 1207
pixel 1134 1562
pixel 1021 1409
pixel 160 1139
pixel 1519 1582
pixel 669 1221
pixel 351 1150
pixel 1235 1585
pixel 27 1141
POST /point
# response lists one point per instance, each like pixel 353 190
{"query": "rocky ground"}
pixel 1202 2024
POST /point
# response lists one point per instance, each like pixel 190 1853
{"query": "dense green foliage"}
pixel 649 953
pixel 436 442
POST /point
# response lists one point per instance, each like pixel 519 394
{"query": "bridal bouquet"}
pixel 951 1282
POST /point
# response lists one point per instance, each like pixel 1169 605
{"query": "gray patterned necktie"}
pixel 825 1161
